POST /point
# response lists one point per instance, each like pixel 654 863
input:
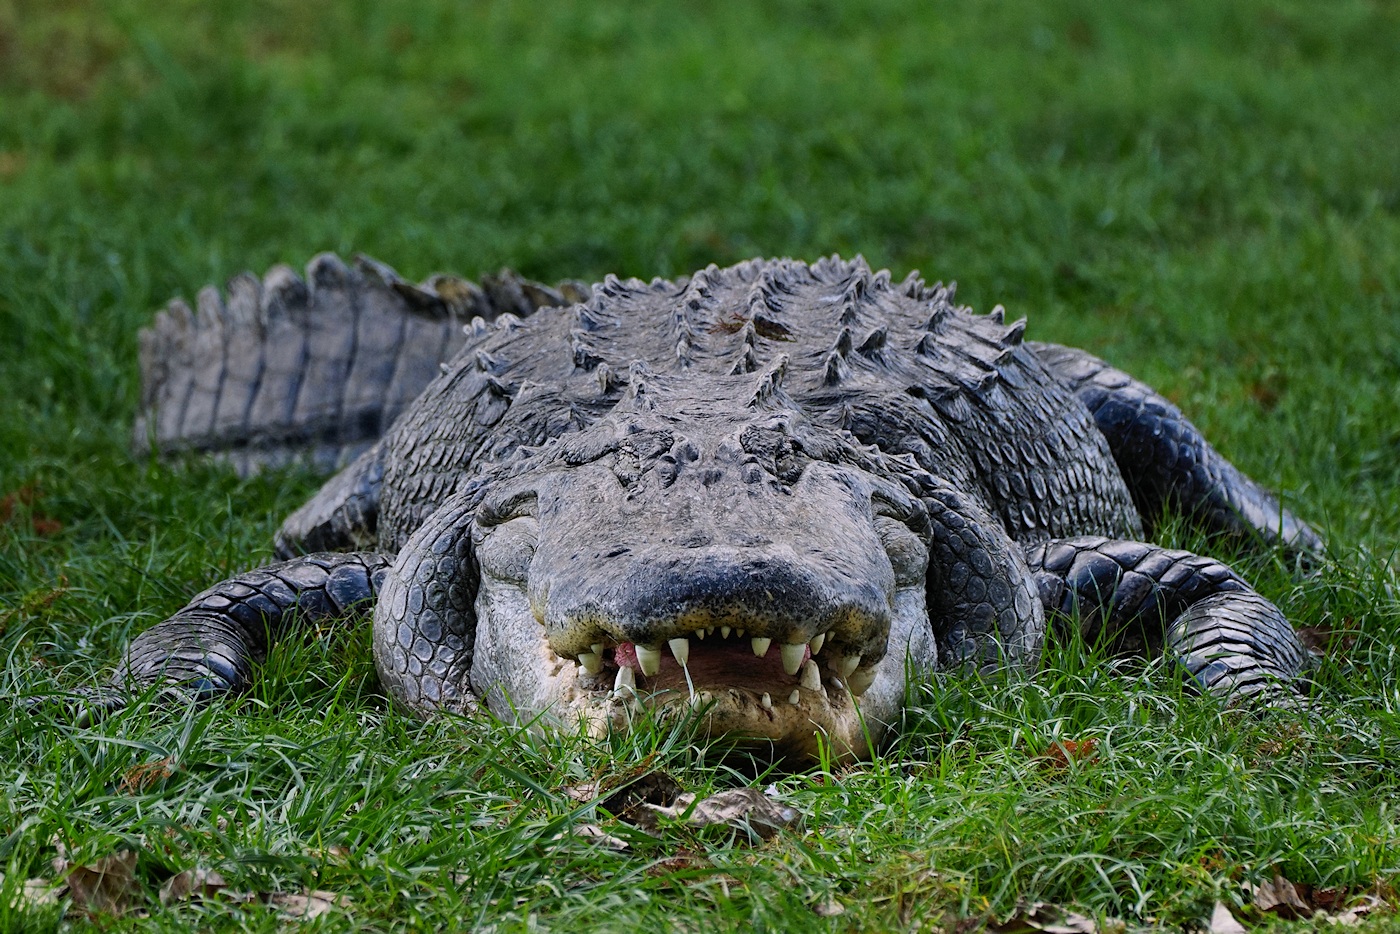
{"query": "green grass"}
pixel 1206 193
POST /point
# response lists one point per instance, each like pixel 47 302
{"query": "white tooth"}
pixel 817 642
pixel 591 662
pixel 794 697
pixel 738 633
pixel 649 658
pixel 811 678
pixel 766 701
pixel 725 631
pixel 792 656
pixel 699 633
pixel 845 664
pixel 760 645
pixel 859 681
pixel 597 648
pixel 625 680
pixel 681 649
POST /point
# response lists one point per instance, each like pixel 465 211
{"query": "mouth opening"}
pixel 727 659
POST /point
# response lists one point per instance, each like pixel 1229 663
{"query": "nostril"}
pixel 696 540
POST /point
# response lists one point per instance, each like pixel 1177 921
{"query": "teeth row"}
pixel 794 656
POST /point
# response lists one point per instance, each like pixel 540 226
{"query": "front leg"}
pixel 981 595
pixel 210 646
pixel 425 622
pixel 1136 596
pixel 1168 465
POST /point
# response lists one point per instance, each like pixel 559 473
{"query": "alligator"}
pixel 767 497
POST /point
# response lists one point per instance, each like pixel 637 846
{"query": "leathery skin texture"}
pixel 766 496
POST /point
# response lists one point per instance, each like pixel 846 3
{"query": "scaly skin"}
pixel 767 492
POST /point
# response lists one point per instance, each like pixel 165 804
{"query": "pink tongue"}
pixel 626 656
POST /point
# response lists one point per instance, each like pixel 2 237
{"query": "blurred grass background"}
pixel 1207 194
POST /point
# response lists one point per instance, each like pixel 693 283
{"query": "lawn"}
pixel 1207 194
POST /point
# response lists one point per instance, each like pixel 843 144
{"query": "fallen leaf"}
pixel 190 884
pixel 308 905
pixel 1281 898
pixel 1353 915
pixel 1325 641
pixel 682 862
pixel 20 501
pixel 595 834
pixel 651 788
pixel 746 809
pixel 1049 918
pixel 1064 751
pixel 1328 899
pixel 1222 922
pixel 627 797
pixel 107 885
pixel 37 893
pixel 141 777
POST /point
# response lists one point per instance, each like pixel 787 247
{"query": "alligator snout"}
pixel 665 594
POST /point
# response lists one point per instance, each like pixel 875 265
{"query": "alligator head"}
pixel 711 552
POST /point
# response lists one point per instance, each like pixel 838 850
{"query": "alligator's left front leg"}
pixel 1131 595
pixel 210 646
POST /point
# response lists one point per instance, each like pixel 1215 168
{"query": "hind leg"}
pixel 1135 596
pixel 1167 464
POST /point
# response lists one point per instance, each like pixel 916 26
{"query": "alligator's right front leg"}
pixel 1134 596
pixel 210 646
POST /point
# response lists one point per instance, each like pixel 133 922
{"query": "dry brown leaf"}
pixel 15 504
pixel 107 885
pixel 142 777
pixel 1051 919
pixel 192 883
pixel 654 787
pixel 1064 751
pixel 684 861
pixel 746 809
pixel 595 834
pixel 1323 641
pixel 308 905
pixel 37 893
pixel 1222 922
pixel 1353 915
pixel 1281 898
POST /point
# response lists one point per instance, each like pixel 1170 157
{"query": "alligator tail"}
pixel 314 369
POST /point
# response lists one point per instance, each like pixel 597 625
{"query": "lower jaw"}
pixel 815 728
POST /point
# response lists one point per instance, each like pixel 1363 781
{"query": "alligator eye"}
pixel 495 511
